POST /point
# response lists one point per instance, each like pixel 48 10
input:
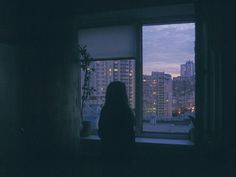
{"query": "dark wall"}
pixel 38 84
pixel 228 78
pixel 91 6
pixel 10 102
pixel 10 87
pixel 50 81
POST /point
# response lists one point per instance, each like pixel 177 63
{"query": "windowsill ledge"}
pixel 141 140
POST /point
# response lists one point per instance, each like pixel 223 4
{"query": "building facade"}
pixel 184 89
pixel 157 95
pixel 107 71
pixel 187 69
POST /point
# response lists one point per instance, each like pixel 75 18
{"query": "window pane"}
pixel 117 41
pixel 168 78
pixel 106 72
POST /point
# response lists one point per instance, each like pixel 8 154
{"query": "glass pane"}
pixel 106 72
pixel 168 78
pixel 105 42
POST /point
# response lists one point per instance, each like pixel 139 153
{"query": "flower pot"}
pixel 86 128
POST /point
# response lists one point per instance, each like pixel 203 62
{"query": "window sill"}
pixel 141 140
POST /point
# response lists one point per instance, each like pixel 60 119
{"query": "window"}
pixel 168 78
pixel 155 59
pixel 113 51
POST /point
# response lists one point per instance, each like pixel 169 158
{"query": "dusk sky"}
pixel 166 47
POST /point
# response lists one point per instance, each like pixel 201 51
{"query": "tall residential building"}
pixel 183 94
pixel 106 72
pixel 187 69
pixel 157 95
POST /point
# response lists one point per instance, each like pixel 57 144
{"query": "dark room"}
pixel 96 88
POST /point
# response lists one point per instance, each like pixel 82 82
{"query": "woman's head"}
pixel 116 94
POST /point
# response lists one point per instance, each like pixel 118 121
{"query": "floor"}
pixel 93 167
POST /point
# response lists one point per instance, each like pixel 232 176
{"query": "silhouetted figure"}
pixel 116 126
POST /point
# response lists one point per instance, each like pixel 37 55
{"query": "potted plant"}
pixel 87 89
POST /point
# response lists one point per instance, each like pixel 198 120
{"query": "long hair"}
pixel 116 95
pixel 116 124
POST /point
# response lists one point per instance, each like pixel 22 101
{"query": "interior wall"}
pixel 39 116
pixel 228 79
pixel 50 81
pixel 10 88
pixel 10 107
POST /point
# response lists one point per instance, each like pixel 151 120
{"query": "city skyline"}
pixel 165 47
pixel 164 98
pixel 173 76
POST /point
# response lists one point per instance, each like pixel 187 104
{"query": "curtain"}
pixel 208 49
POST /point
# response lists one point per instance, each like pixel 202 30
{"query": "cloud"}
pixel 170 45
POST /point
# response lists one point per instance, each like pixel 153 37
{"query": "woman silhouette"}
pixel 116 124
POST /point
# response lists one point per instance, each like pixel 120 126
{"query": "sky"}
pixel 166 47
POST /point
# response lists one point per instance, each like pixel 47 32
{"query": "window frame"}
pixel 90 21
pixel 165 135
pixel 134 58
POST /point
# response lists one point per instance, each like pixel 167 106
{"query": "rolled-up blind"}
pixel 109 42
